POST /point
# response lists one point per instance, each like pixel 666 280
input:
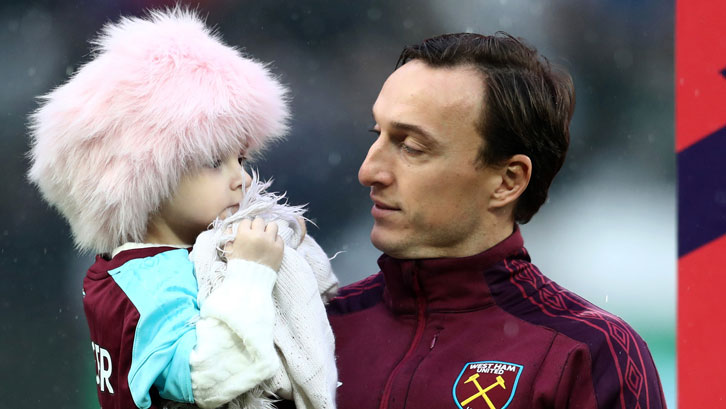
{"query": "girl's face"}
pixel 214 191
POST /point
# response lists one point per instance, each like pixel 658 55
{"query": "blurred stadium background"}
pixel 607 232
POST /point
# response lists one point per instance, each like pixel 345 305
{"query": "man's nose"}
pixel 375 168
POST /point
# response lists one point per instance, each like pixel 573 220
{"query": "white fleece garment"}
pixel 259 339
pixel 224 364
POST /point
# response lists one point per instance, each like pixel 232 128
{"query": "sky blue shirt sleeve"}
pixel 163 288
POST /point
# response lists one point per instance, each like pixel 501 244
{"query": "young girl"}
pixel 140 151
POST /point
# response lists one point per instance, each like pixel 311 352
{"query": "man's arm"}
pixel 579 385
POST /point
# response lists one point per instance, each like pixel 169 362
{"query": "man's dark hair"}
pixel 528 104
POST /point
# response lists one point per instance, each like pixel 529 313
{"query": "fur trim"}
pixel 162 96
pixel 257 201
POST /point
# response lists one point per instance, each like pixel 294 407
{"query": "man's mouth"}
pixel 381 208
pixel 382 204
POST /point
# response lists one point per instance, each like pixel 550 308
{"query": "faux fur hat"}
pixel 162 96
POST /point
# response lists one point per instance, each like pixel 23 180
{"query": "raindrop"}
pixel 505 22
pixel 31 71
pixel 374 14
pixel 591 36
pixel 334 158
pixel 623 58
pixel 511 329
pixel 407 24
pixel 13 26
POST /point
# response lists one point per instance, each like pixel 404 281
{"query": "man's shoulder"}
pixel 542 301
pixel 608 337
pixel 617 355
pixel 358 296
pixel 618 359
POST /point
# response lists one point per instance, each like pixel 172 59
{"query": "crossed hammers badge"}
pixel 483 392
pixel 492 383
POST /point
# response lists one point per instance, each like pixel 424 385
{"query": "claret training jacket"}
pixel 487 331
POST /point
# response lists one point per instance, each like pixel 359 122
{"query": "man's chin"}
pixel 389 245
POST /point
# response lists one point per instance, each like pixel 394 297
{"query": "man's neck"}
pixel 475 244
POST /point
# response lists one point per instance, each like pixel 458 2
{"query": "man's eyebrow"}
pixel 415 129
pixel 411 128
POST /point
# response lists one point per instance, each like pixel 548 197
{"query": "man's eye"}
pixel 410 150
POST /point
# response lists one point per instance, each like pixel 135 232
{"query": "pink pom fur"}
pixel 162 96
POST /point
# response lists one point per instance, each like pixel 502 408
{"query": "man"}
pixel 471 131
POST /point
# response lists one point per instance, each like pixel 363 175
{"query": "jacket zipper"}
pixel 433 341
pixel 420 325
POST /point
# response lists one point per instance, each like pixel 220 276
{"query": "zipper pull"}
pixel 433 341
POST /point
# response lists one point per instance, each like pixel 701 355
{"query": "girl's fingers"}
pixel 258 224
pixel 271 229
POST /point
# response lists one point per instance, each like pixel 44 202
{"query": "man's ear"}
pixel 515 175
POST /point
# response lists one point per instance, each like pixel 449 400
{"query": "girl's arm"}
pixel 235 349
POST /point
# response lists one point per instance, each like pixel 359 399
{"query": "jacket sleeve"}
pixel 162 289
pixel 575 388
pixel 235 350
pixel 591 378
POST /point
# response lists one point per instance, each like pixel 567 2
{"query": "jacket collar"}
pixel 446 284
pixel 103 264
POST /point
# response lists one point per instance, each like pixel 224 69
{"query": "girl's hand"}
pixel 258 242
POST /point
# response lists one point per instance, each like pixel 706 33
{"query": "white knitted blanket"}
pixel 302 335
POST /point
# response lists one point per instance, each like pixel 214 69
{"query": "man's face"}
pixel 430 197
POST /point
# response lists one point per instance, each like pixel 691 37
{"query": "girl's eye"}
pixel 242 159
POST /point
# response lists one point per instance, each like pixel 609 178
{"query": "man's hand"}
pixel 258 242
pixel 303 228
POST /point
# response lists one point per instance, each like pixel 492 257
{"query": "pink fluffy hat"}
pixel 162 96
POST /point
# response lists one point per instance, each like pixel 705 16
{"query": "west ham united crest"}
pixel 486 385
